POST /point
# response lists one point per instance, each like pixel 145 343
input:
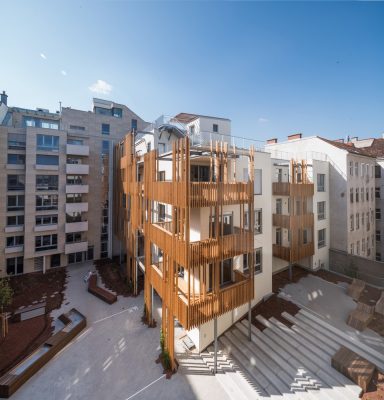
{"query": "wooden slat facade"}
pixel 191 304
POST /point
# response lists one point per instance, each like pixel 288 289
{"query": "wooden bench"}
pixel 354 367
pixel 355 289
pixel 361 316
pixel 32 311
pixel 99 292
pixel 379 308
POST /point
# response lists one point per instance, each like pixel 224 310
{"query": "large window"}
pixel 378 213
pixel 105 129
pixel 46 242
pixel 74 198
pixel 73 237
pixel 74 180
pixel 258 181
pixel 13 241
pixel 16 182
pixel 46 219
pixel 15 265
pixel 47 202
pixel 47 182
pixel 378 235
pixel 47 142
pixel 16 141
pixel 258 220
pixel 15 202
pixel 42 159
pixel 15 220
pixel 40 123
pixel 226 271
pixel 321 238
pixel 377 193
pixel 18 159
pixel 321 210
pixel 117 112
pixel 321 182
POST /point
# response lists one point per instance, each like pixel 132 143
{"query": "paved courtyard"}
pixel 113 358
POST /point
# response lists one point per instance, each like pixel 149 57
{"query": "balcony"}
pixel 76 247
pixel 292 189
pixel 44 228
pixel 293 254
pixel 81 226
pixel 293 221
pixel 15 228
pixel 76 207
pixel 77 169
pixel 77 150
pixel 14 249
pixel 76 188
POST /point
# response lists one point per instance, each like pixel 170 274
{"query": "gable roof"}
pixel 349 147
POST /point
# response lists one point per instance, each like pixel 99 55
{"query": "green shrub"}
pixel 166 360
pixel 162 342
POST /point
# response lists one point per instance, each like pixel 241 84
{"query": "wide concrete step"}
pixel 355 345
pixel 270 369
pixel 281 335
pixel 339 339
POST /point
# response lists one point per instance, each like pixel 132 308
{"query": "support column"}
pixel 249 320
pixel 44 268
pixel 215 344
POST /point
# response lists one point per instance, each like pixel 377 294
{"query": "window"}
pixel 117 112
pixel 148 147
pixel 357 221
pixel 40 123
pixel 55 260
pixel 363 245
pixel 76 128
pixel 258 181
pixel 15 266
pixel 362 194
pixel 306 236
pixel 258 221
pixel 134 124
pixel 215 128
pixel 278 236
pixel 161 209
pixel 358 247
pixel 192 130
pixel 73 237
pixel 47 202
pixel 47 142
pixel 356 168
pixel 372 216
pixel 362 169
pixel 15 202
pixel 13 241
pixel 321 182
pixel 321 238
pixel 42 159
pixel 378 213
pixel 15 220
pixel 351 168
pixel 46 242
pixel 15 182
pixel 73 217
pixel 200 173
pixel 352 248
pixel 371 193
pixel 258 259
pixel 377 171
pixel 357 195
pixel 226 271
pixel 367 195
pixel 47 182
pixel 74 180
pixel 352 222
pixel 76 142
pixel 16 159
pixel 74 198
pixel 16 141
pixel 351 195
pixel 378 236
pixel 161 176
pixel 162 147
pixel 279 174
pixel 321 210
pixel 46 219
pixel 105 129
pixel 362 219
pixel 377 193
pixel 279 206
pixel 378 256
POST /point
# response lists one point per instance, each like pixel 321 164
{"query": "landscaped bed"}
pixel 114 279
pixel 26 336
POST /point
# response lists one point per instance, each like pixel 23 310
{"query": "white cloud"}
pixel 64 73
pixel 263 120
pixel 100 87
pixel 43 56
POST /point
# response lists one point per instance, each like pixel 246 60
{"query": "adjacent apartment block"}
pixel 347 182
pixel 51 164
pixel 197 223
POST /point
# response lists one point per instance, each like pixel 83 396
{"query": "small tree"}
pixel 6 294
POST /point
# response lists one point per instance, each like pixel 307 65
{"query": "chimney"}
pixel 3 98
pixel 295 136
pixel 271 141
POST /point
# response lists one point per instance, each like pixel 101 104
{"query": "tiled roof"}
pixel 376 149
pixel 350 147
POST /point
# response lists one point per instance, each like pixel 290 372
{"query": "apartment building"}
pixel 56 186
pixel 201 216
pixel 375 148
pixel 350 193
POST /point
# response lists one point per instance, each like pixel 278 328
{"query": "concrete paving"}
pixel 330 301
pixel 113 358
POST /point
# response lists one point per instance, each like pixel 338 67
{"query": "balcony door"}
pixel 226 268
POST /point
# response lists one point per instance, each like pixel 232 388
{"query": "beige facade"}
pixel 56 186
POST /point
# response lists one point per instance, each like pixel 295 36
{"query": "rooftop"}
pixel 186 118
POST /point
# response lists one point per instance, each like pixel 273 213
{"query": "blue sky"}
pixel 273 68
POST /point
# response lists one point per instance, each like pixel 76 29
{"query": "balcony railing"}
pixel 293 254
pixel 293 221
pixel 292 189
